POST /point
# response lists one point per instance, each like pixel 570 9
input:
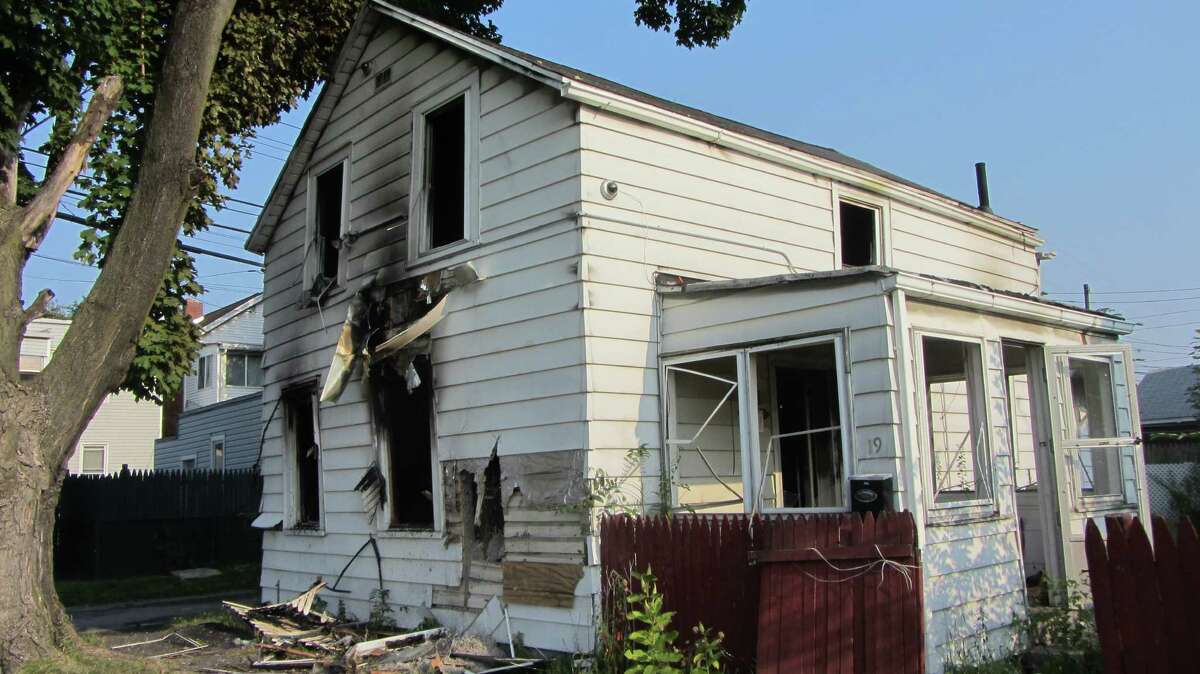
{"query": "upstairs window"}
pixel 329 210
pixel 243 368
pixel 204 372
pixel 859 231
pixel 445 178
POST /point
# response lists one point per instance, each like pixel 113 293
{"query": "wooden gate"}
pixel 840 594
pixel 812 593
pixel 1144 597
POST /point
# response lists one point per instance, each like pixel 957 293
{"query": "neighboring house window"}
pixel 859 234
pixel 204 372
pixel 760 428
pixel 217 453
pixel 188 463
pixel 303 457
pixel 442 208
pixel 956 431
pixel 92 459
pixel 243 368
pixel 411 448
pixel 329 211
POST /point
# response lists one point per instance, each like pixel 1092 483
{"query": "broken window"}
pixel 446 159
pixel 800 427
pixel 704 434
pixel 329 211
pixel 407 410
pixel 92 459
pixel 956 422
pixel 859 245
pixel 304 456
pixel 243 368
pixel 204 372
pixel 1022 432
pixel 787 452
pixel 216 452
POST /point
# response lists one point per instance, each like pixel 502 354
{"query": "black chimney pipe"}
pixel 985 202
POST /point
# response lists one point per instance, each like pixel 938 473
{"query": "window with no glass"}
pixel 445 172
pixel 956 423
pixel 243 368
pixel 858 230
pixel 304 455
pixel 329 212
pixel 408 414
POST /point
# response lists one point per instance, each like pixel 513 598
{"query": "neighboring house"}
pixel 220 423
pixel 670 306
pixel 1165 399
pixel 120 434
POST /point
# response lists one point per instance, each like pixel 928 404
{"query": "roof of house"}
pixel 210 319
pixel 1163 395
pixel 550 73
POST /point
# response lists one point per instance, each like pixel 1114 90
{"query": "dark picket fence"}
pixel 1144 596
pixel 146 523
pixel 806 593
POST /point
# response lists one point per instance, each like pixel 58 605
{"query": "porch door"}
pixel 1096 428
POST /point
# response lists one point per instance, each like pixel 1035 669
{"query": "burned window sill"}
pixel 399 532
pixel 305 531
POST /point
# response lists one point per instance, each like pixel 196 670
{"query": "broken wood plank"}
pixel 541 583
pixel 284 664
pixel 366 648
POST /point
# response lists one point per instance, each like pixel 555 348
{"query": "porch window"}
pixel 759 429
pixel 956 421
pixel 1096 424
pixel 303 457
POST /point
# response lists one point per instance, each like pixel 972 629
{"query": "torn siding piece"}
pixel 349 344
pixel 541 584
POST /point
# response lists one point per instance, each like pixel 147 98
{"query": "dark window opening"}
pixel 808 426
pixel 445 172
pixel 329 221
pixel 306 453
pixel 409 419
pixel 859 247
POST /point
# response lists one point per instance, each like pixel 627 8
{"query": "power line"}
pixel 1122 292
pixel 241 201
pixel 1173 346
pixel 1165 313
pixel 64 260
pixel 289 124
pixel 1173 325
pixel 183 246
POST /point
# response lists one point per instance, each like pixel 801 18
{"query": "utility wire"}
pixel 1121 292
pixel 191 249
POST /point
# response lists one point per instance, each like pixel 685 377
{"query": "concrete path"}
pixel 151 612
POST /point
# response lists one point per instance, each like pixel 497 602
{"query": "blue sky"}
pixel 1086 114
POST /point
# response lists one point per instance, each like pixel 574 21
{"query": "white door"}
pixel 1097 454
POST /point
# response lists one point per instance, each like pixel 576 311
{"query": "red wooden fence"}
pixel 1144 596
pixel 806 593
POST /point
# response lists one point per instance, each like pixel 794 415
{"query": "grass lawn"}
pixel 91 592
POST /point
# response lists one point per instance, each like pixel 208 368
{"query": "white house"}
pixel 216 425
pixel 705 312
pixel 123 430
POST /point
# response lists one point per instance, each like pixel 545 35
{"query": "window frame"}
pixel 419 251
pixel 246 354
pixel 971 508
pixel 291 486
pixel 84 447
pixel 746 399
pixel 212 456
pixel 189 457
pixel 312 260
pixel 204 373
pixel 883 217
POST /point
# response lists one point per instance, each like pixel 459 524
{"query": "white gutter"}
pixel 672 121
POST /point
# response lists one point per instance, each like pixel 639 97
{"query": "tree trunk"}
pixel 32 621
pixel 41 418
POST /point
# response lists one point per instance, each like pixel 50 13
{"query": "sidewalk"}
pixel 152 611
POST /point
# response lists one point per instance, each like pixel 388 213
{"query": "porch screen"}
pixel 1099 422
pixel 704 434
pixel 955 420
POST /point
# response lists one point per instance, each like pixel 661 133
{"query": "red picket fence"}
pixel 814 593
pixel 1144 596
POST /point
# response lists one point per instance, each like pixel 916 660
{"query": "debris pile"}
pixel 295 635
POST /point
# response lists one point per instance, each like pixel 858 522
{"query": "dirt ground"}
pixel 226 649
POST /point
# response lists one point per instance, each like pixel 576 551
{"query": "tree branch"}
pixel 38 212
pixel 94 355
pixel 9 158
pixel 37 308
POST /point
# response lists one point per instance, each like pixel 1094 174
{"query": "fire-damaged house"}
pixel 502 294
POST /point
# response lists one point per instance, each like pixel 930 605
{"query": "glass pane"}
pixel 254 370
pixel 218 455
pixel 91 460
pixel 235 369
pixel 704 432
pixel 1092 408
pixel 203 371
pixel 955 420
pixel 1099 471
pixel 799 427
